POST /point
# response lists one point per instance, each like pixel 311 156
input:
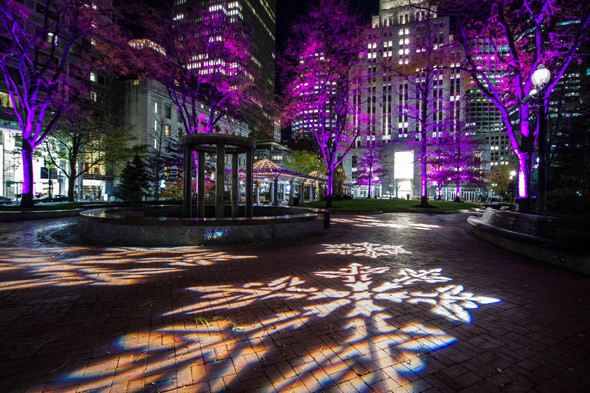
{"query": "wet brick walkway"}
pixel 388 303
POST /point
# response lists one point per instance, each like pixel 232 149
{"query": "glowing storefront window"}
pixel 404 165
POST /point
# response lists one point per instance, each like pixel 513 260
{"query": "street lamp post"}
pixel 540 78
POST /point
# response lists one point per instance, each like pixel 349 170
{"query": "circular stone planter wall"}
pixel 141 227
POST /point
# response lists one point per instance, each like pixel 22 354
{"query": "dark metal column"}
pixel 201 185
pixel 542 180
pixel 249 181
pixel 235 186
pixel 275 195
pixel 188 175
pixel 220 180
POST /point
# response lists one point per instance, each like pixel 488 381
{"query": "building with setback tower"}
pixel 416 89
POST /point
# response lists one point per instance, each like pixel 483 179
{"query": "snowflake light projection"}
pixel 367 346
pixel 66 266
pixel 367 222
pixel 365 249
pixel 372 222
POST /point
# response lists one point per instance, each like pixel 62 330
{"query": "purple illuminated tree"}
pixel 460 160
pixel 201 53
pixel 324 87
pixel 438 173
pixel 40 71
pixel 504 41
pixel 370 166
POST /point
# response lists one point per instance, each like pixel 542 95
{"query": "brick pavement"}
pixel 391 302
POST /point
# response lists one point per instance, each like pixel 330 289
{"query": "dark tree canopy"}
pixel 134 183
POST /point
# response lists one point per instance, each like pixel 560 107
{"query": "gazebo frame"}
pixel 267 169
pixel 220 145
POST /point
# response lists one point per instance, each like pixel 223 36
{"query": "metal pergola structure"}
pixel 219 145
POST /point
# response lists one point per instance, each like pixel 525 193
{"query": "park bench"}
pixel 559 241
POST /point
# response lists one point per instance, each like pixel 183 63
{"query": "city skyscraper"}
pixel 416 91
pixel 259 19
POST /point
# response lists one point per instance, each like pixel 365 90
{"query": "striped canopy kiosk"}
pixel 219 145
pixel 266 169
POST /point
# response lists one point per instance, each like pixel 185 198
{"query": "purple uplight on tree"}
pixel 370 166
pixel 438 174
pixel 324 88
pixel 39 71
pixel 504 42
pixel 458 159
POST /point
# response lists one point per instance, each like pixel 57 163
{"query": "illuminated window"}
pixel 167 129
pixel 93 76
pixel 5 100
pixel 155 107
pixel 51 37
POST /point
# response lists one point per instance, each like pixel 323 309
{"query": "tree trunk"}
pixel 458 193
pixel 329 183
pixel 27 191
pixel 329 187
pixel 157 190
pixel 525 164
pixel 72 180
pixel 424 180
pixel 424 201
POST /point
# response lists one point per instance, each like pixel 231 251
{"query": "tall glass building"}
pixel 259 17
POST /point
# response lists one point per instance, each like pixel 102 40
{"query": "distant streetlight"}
pixel 512 174
pixel 540 78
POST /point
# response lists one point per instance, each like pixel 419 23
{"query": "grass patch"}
pixel 390 206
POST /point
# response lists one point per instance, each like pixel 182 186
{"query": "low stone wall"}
pixel 6 216
pixel 560 242
pixel 131 227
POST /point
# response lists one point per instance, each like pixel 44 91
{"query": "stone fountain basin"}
pixel 159 226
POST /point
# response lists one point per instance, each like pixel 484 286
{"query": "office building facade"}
pixel 401 44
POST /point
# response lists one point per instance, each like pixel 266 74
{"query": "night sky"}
pixel 289 10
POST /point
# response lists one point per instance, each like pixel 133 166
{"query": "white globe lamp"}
pixel 541 76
